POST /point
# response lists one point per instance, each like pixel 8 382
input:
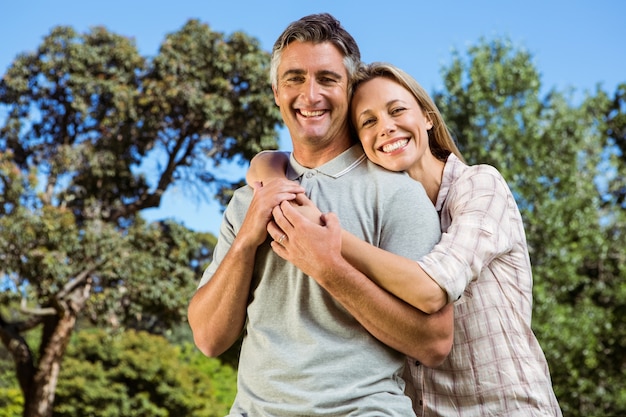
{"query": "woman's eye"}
pixel 397 110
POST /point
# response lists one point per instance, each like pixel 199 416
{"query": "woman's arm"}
pixel 316 250
pixel 267 164
pixel 402 277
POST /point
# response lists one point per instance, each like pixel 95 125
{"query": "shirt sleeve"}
pixel 480 230
pixel 231 221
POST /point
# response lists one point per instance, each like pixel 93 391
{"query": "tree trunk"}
pixel 39 400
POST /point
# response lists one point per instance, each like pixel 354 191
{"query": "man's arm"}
pixel 217 311
pixel 316 250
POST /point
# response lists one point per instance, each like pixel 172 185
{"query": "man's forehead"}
pixel 309 57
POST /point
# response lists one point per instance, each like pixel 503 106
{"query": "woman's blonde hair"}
pixel 440 140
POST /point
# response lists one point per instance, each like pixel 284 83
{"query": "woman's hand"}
pixel 307 208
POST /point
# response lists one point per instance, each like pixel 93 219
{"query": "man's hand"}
pixel 266 197
pixel 311 245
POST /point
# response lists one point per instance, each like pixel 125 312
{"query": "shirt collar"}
pixel 451 171
pixel 335 168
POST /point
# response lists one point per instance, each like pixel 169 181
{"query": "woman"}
pixel 481 264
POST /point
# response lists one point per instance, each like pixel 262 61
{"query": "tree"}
pixel 11 399
pixel 84 115
pixel 136 373
pixel 612 111
pixel 560 161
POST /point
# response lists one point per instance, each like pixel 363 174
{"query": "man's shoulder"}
pixel 240 200
pixel 398 179
pixel 241 195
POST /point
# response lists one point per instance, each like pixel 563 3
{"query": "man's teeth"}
pixel 395 145
pixel 311 113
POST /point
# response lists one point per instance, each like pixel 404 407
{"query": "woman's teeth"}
pixel 390 147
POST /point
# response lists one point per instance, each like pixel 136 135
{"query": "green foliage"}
pixel 93 134
pixel 138 374
pixel 221 91
pixel 148 284
pixel 11 398
pixel 11 402
pixel 562 163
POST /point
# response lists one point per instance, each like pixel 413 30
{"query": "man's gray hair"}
pixel 318 28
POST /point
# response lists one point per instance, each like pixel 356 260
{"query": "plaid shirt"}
pixel 496 366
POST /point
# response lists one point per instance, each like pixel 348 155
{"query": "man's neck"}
pixel 313 157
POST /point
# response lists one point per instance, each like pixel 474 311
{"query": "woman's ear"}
pixel 429 122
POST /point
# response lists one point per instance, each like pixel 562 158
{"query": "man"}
pixel 309 349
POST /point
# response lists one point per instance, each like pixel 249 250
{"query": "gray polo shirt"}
pixel 303 354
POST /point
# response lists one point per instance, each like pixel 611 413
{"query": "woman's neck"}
pixel 429 171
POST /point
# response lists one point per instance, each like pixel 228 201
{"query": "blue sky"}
pixel 576 44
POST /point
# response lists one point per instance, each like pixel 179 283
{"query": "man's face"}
pixel 312 93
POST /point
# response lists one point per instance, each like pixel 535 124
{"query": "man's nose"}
pixel 311 90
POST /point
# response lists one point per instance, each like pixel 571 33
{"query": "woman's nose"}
pixel 387 126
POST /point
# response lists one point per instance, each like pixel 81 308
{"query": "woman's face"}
pixel 390 124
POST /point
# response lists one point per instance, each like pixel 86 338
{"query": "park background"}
pixel 579 54
pixel 575 44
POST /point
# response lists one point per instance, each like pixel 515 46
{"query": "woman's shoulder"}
pixel 485 170
pixel 471 178
pixel 462 171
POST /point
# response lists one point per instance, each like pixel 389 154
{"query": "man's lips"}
pixel 311 113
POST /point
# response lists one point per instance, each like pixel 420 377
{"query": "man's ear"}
pixel 275 91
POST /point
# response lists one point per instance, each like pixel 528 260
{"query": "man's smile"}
pixel 311 113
